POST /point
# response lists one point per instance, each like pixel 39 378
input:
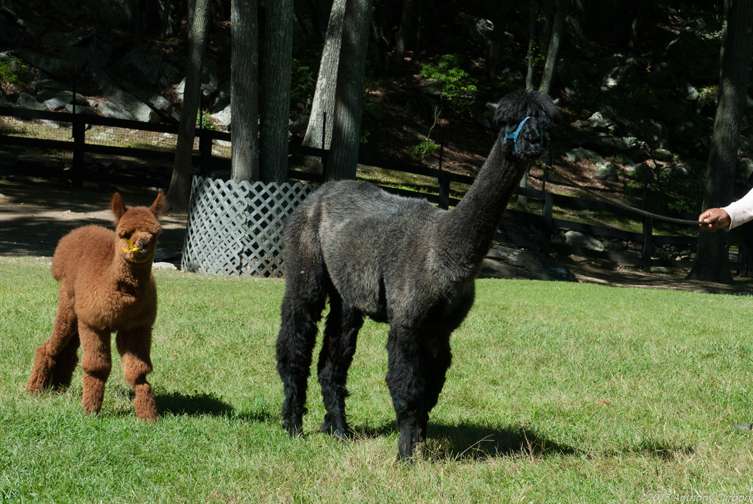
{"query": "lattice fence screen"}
pixel 235 228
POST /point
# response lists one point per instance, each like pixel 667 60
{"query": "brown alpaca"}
pixel 106 286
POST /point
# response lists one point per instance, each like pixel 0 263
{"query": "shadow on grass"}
pixel 191 405
pixel 477 442
pixel 200 404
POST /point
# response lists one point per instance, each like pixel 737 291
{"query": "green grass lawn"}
pixel 558 392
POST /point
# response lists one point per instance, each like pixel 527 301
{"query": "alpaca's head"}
pixel 137 228
pixel 526 120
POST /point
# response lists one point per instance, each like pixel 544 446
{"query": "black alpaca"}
pixel 396 260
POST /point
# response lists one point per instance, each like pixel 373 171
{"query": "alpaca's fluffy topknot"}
pixel 515 107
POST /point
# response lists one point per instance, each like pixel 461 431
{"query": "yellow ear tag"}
pixel 130 248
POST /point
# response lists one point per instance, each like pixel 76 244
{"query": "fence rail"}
pixel 545 223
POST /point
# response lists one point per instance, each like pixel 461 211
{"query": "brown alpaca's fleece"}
pixel 106 286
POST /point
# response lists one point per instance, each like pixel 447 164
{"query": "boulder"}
pixel 58 67
pixel 119 102
pixel 27 101
pixel 607 171
pixel 578 239
pixel 579 153
pixel 142 66
pixel 508 262
pixel 744 169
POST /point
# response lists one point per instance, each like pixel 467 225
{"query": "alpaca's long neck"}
pixel 471 226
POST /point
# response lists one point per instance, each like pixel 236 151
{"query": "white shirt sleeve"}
pixel 741 211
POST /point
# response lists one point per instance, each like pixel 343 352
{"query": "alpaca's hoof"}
pixel 294 429
pixel 743 426
pixel 342 432
pixel 34 388
pixel 404 459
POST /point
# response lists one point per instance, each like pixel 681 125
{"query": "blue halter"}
pixel 514 136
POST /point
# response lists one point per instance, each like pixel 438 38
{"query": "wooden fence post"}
pixel 745 257
pixel 648 231
pixel 79 145
pixel 546 227
pixel 205 151
pixel 444 190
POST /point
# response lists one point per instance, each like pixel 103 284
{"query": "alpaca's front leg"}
pixel 407 388
pixel 55 360
pixel 134 346
pixel 96 364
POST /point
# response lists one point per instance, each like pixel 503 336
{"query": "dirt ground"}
pixel 34 216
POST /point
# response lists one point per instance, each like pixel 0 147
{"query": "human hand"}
pixel 713 219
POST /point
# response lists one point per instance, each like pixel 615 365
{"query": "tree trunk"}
pixel 179 192
pixel 326 85
pixel 493 60
pixel 636 26
pixel 244 77
pixel 531 45
pixel 558 31
pixel 712 261
pixel 406 23
pixel 522 201
pixel 275 97
pixel 346 134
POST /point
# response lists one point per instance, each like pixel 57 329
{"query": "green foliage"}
pixel 204 121
pixel 303 83
pixel 678 206
pixel 456 85
pixel 533 54
pixel 375 114
pixel 423 149
pixel 12 71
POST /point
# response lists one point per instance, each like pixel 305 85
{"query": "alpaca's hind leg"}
pixel 407 384
pixel 96 364
pixel 66 364
pixel 343 324
pixel 134 347
pixel 294 347
pixel 53 359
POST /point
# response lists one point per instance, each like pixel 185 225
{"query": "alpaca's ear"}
pixel 158 204
pixel 118 207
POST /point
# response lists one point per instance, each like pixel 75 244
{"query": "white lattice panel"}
pixel 235 228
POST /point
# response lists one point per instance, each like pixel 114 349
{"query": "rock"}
pixel 62 97
pixel 110 109
pixel 58 67
pixel 687 91
pixel 159 103
pixel 164 266
pixel 27 101
pixel 686 168
pixel 580 153
pixel 142 66
pixel 222 118
pixel 607 171
pixel 744 169
pixel 640 171
pixel 121 103
pixel 81 109
pixel 578 239
pixel 508 262
pixel 663 155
